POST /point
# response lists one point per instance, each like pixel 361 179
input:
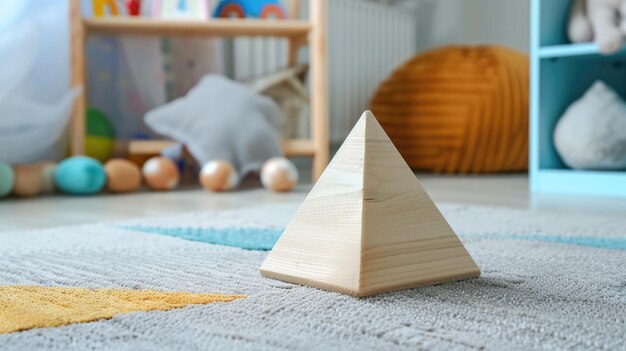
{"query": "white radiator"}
pixel 366 41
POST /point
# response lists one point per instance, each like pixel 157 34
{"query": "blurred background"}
pixel 367 40
pixel 482 94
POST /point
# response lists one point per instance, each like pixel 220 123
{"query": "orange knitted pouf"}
pixel 458 110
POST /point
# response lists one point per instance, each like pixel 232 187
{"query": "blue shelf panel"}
pixel 568 50
pixel 551 18
pixel 577 182
pixel 555 84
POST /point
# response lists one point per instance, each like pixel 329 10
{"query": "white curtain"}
pixel 35 100
pixel 127 77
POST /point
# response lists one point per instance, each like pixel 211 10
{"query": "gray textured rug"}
pixel 549 281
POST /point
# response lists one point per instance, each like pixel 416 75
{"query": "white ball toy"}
pixel 279 174
pixel 592 132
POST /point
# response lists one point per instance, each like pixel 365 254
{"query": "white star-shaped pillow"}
pixel 220 119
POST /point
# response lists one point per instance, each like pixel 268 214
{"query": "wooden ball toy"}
pixel 27 180
pixel 218 176
pixel 161 174
pixel 122 176
pixel 279 174
pixel 47 177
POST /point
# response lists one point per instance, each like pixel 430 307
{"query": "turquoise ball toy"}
pixel 7 179
pixel 80 175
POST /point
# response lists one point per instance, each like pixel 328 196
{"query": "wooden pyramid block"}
pixel 368 226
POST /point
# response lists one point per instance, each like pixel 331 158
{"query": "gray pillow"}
pixel 220 119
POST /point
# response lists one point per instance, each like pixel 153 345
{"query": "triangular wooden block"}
pixel 368 226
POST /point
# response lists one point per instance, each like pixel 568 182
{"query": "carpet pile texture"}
pixel 549 281
pixel 26 307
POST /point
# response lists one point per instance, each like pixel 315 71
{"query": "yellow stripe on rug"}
pixel 27 307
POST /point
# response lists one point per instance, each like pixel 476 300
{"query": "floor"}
pixel 502 190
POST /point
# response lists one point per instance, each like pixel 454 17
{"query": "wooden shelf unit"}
pixel 297 32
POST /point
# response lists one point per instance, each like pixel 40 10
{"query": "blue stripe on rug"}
pixel 599 242
pixel 244 238
pixel 264 238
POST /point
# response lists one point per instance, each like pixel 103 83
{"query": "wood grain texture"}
pixel 468 103
pixel 293 7
pixel 290 147
pixel 297 147
pixel 215 27
pixel 77 59
pixel 149 147
pixel 319 85
pixel 368 226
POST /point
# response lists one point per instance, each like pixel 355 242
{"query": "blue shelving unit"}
pixel 560 73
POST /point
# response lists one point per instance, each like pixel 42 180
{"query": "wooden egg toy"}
pixel 7 179
pixel 122 176
pixel 218 176
pixel 279 174
pixel 161 174
pixel 27 180
pixel 79 175
pixel 47 177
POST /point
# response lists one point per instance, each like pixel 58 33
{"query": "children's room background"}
pixel 312 175
pixel 127 76
pixel 118 66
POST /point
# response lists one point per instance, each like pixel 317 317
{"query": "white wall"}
pixel 504 22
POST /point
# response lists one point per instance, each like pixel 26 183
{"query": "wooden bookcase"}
pixel 298 33
pixel 561 72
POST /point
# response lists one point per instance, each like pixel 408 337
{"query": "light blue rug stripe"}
pixel 245 238
pixel 265 238
pixel 589 241
pixel 599 242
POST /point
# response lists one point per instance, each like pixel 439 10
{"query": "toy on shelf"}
pixel 100 141
pixel 218 176
pixel 591 134
pixel 123 176
pixel 133 7
pixel 100 8
pixel 27 180
pixel 460 109
pixel 250 9
pixel 595 20
pixel 7 179
pixel 368 226
pixel 287 89
pixel 180 9
pixel 278 174
pixel 80 175
pixel 160 174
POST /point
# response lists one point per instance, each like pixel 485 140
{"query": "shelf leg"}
pixel 77 57
pixel 293 45
pixel 319 86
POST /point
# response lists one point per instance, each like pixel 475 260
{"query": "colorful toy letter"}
pixel 250 8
